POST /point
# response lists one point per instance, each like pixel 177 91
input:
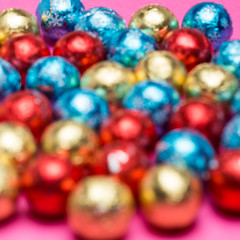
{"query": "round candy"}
pixel 102 22
pixel 212 19
pixel 202 115
pixel 190 46
pixel 22 51
pixel 83 106
pixel 28 107
pixel 52 76
pixel 154 20
pixel 130 125
pixel 129 46
pixel 110 80
pixel 162 65
pixel 224 183
pixel 10 79
pixel 100 208
pixel 15 21
pixel 158 99
pixel 235 103
pixel 186 148
pixel 58 17
pixel 170 198
pixel 81 49
pixel 211 81
pixel 47 182
pixel 227 57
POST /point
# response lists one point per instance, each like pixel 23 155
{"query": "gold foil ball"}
pixel 17 145
pixel 110 80
pixel 100 208
pixel 211 81
pixel 72 140
pixel 16 21
pixel 154 20
pixel 162 65
pixel 170 198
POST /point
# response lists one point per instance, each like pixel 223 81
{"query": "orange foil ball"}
pixel 130 125
pixel 81 49
pixel 189 45
pixel 47 182
pixel 28 107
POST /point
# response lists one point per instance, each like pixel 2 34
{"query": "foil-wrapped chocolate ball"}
pixel 212 19
pixel 154 20
pixel 15 21
pixel 52 76
pixel 83 106
pixel 100 208
pixel 211 81
pixel 129 46
pixel 186 148
pixel 170 198
pixel 235 103
pixel 161 65
pixel 102 22
pixel 58 17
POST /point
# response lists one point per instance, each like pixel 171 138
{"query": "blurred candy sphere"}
pixel 162 65
pixel 81 49
pixel 154 20
pixel 17 145
pixel 28 107
pixel 22 51
pixel 102 22
pixel 110 80
pixel 227 57
pixel 190 46
pixel 202 115
pixel 211 81
pixel 170 198
pixel 158 99
pixel 15 21
pixel 52 76
pixel 235 103
pixel 83 106
pixel 212 19
pixel 124 160
pixel 58 17
pixel 10 79
pixel 47 182
pixel 186 148
pixel 100 208
pixel 129 46
pixel 130 125
pixel 224 183
pixel 8 190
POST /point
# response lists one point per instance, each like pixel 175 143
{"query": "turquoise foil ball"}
pixel 235 103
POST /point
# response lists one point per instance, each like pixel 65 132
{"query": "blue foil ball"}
pixel 186 148
pixel 83 106
pixel 52 76
pixel 212 19
pixel 235 103
pixel 158 99
pixel 129 46
pixel 102 23
pixel 10 79
pixel 228 57
pixel 58 17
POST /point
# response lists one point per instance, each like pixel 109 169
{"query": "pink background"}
pixel 210 225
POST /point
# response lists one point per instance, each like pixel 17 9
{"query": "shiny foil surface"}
pixel 235 103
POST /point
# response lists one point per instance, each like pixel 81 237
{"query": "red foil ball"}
pixel 190 46
pixel 28 107
pixel 81 49
pixel 224 183
pixel 130 125
pixel 22 51
pixel 202 115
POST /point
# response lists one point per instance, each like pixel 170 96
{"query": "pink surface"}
pixel 210 225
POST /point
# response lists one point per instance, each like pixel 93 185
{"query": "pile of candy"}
pixel 119 115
